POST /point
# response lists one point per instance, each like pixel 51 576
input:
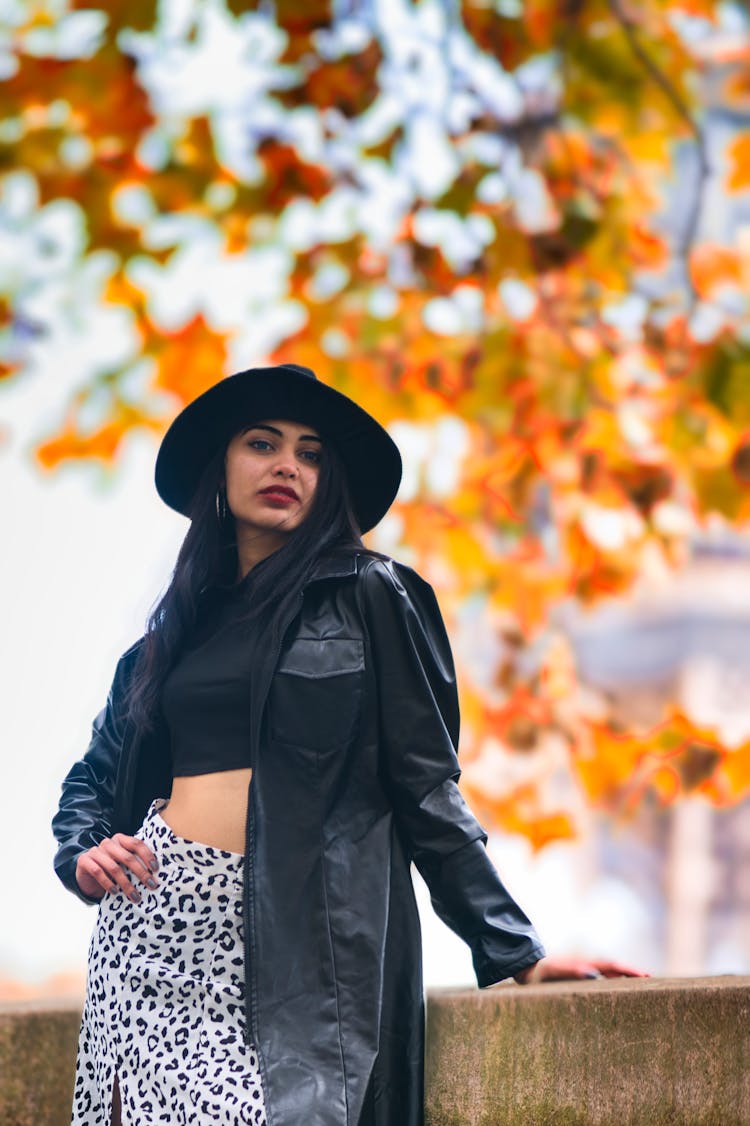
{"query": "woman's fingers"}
pixel 117 873
pixel 618 969
pixel 138 857
pixel 91 885
pixel 107 873
pixel 578 969
pixel 103 869
pixel 107 866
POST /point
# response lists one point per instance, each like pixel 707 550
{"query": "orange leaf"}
pixel 191 360
pixel 608 761
pixel 712 266
pixel 541 20
pixel 350 83
pixel 730 781
pixel 738 157
pixel 540 829
pixel 103 444
pixel 521 811
pixel 288 177
pixel 647 249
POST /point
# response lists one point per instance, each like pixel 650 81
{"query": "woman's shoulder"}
pixel 396 600
pixel 127 660
pixel 376 574
pixel 370 562
pixel 131 653
pixel 379 572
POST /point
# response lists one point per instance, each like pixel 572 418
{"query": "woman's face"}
pixel 271 472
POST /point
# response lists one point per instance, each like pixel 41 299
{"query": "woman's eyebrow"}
pixel 274 430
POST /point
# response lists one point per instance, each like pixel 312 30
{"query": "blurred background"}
pixel 519 234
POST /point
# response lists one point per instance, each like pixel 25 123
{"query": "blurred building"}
pixel 683 638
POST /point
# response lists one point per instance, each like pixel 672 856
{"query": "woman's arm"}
pixel 84 815
pixel 419 721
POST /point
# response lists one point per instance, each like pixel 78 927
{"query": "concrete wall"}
pixel 38 1041
pixel 620 1053
pixel 624 1052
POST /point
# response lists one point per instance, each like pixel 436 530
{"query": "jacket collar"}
pixel 336 565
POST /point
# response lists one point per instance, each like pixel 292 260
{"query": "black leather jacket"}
pixel 354 776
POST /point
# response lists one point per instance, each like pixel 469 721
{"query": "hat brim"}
pixel 370 456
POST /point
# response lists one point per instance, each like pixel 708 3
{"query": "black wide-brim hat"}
pixel 287 391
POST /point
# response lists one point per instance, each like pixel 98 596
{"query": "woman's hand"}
pixel 104 868
pixel 573 969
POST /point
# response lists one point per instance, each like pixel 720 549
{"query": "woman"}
pixel 256 956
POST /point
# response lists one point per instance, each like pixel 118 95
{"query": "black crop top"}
pixel 206 697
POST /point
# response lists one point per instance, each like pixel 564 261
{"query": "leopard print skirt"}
pixel 164 1012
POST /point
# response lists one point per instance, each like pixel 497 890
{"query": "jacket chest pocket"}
pixel 316 692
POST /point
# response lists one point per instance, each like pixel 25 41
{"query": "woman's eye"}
pixel 311 455
pixel 259 443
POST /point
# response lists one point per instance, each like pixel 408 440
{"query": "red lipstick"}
pixel 280 493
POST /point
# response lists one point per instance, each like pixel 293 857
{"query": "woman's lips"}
pixel 274 496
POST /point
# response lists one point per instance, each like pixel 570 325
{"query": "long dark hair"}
pixel 208 559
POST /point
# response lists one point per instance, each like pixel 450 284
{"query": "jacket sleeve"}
pixel 419 722
pixel 84 813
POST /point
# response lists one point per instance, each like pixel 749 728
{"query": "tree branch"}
pixel 685 243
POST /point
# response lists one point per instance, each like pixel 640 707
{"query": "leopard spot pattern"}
pixel 164 1007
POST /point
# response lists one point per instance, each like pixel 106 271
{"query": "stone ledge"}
pixel 38 1043
pixel 628 1052
pixel 600 1053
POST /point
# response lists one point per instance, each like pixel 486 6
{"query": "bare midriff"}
pixel 210 808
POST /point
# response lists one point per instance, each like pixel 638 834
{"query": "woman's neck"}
pixel 254 545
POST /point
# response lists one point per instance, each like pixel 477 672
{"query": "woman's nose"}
pixel 285 468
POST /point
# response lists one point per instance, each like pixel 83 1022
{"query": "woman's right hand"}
pixel 104 868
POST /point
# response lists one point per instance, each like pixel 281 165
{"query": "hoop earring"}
pixel 221 506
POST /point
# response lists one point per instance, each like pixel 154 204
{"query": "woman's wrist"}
pixel 529 974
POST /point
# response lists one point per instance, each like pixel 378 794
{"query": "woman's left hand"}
pixel 575 969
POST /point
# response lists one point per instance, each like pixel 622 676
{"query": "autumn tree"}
pixel 488 222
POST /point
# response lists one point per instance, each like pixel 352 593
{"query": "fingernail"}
pixel 135 897
pixel 154 865
pixel 151 883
